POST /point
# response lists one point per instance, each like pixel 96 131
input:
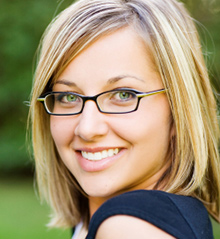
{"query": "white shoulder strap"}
pixel 80 232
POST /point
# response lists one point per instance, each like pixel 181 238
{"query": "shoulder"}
pixel 176 215
pixel 123 226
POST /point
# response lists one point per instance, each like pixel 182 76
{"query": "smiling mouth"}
pixel 97 156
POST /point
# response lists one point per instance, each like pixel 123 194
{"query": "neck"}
pixel 95 203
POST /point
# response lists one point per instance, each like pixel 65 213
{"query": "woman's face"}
pixel 129 150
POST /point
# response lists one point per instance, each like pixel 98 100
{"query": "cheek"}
pixel 150 127
pixel 62 130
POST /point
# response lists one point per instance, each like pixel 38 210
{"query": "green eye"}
pixel 124 95
pixel 71 98
pixel 66 98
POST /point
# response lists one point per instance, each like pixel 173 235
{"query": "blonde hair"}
pixel 171 36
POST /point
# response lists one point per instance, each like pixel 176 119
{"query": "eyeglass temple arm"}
pixel 152 93
pixel 40 99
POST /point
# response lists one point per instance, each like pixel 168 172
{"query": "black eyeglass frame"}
pixel 139 95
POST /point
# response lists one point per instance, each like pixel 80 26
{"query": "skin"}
pixel 119 227
pixel 117 60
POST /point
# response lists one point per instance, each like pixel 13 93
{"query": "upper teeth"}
pixel 99 155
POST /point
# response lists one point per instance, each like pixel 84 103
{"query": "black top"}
pixel 180 216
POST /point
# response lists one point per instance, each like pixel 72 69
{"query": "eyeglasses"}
pixel 119 101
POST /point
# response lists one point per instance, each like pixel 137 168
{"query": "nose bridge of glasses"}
pixel 90 98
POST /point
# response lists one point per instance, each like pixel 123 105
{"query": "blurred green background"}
pixel 21 26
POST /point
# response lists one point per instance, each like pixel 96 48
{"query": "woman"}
pixel 129 133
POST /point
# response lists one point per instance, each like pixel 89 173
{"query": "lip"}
pixel 97 149
pixel 95 166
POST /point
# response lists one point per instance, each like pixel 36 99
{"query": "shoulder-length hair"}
pixel 172 39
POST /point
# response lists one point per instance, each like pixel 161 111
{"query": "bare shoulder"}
pixel 123 226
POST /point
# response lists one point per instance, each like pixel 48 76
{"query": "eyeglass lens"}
pixel 112 102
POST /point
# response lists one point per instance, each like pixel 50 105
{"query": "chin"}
pixel 99 192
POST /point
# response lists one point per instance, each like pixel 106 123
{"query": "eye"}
pixel 67 98
pixel 124 96
pixel 71 98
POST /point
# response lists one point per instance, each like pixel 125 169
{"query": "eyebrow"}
pixel 120 77
pixel 110 81
pixel 65 82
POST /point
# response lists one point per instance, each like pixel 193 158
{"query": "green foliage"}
pixel 21 25
pixel 207 12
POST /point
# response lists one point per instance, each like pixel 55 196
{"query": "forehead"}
pixel 120 53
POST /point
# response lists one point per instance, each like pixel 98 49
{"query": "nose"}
pixel 92 124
